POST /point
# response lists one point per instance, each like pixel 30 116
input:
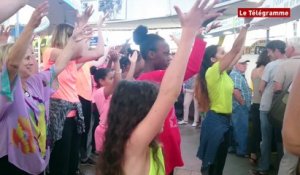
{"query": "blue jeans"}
pixel 266 142
pixel 240 118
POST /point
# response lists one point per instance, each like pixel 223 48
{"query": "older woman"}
pixel 24 101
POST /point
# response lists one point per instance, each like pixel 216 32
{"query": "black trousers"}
pixel 7 168
pixel 86 137
pixel 219 163
pixel 64 157
pixel 255 132
pixel 95 115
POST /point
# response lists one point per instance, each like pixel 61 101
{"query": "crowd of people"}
pixel 115 109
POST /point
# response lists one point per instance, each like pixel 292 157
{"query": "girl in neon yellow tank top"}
pixel 138 110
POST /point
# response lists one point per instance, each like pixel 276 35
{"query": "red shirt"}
pixel 170 137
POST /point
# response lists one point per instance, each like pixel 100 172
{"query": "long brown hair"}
pixel 201 92
pixel 130 104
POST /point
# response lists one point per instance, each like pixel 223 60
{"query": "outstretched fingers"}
pixel 42 9
pixel 179 13
pixel 210 6
pixel 196 4
pixel 203 5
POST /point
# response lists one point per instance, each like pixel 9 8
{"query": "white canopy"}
pixel 135 14
pixel 230 24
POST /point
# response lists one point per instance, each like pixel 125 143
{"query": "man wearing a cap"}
pixel 241 106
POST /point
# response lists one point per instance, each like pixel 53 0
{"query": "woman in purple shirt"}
pixel 24 101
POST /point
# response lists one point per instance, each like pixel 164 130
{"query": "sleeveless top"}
pixel 256 95
pixel 154 168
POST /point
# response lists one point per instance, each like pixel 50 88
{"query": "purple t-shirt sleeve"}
pixel 6 90
pixel 44 80
pixel 39 83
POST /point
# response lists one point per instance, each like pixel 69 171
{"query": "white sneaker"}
pixel 194 124
pixel 182 122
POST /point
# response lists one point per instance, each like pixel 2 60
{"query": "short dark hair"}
pixel 98 74
pixel 277 44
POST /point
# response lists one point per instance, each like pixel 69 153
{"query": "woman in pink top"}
pixel 106 80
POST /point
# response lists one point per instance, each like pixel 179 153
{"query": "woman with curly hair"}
pixel 138 111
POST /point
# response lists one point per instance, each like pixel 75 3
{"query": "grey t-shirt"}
pixel 286 71
pixel 268 77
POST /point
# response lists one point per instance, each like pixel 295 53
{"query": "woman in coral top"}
pixel 66 116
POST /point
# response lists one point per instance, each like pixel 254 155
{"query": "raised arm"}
pixel 227 61
pixel 94 54
pixel 170 87
pixel 10 7
pixel 132 59
pixel 114 56
pixel 18 51
pixel 236 58
pixel 73 47
pixel 291 121
pixel 195 59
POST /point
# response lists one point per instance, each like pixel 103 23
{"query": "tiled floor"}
pixel 190 141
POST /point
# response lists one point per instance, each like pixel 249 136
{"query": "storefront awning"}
pixel 230 24
pixel 170 22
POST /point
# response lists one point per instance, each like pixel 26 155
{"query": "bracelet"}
pixel 247 25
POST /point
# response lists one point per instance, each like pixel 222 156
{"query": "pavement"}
pixel 189 145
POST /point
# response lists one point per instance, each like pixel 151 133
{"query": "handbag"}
pixel 278 106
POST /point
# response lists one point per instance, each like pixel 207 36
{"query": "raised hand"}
pixel 214 25
pixel 206 22
pixel 80 36
pixel 10 7
pixel 84 18
pixel 40 12
pixel 82 33
pixel 199 13
pixel 4 34
pixel 113 55
pixel 102 19
pixel 133 57
pixel 15 57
